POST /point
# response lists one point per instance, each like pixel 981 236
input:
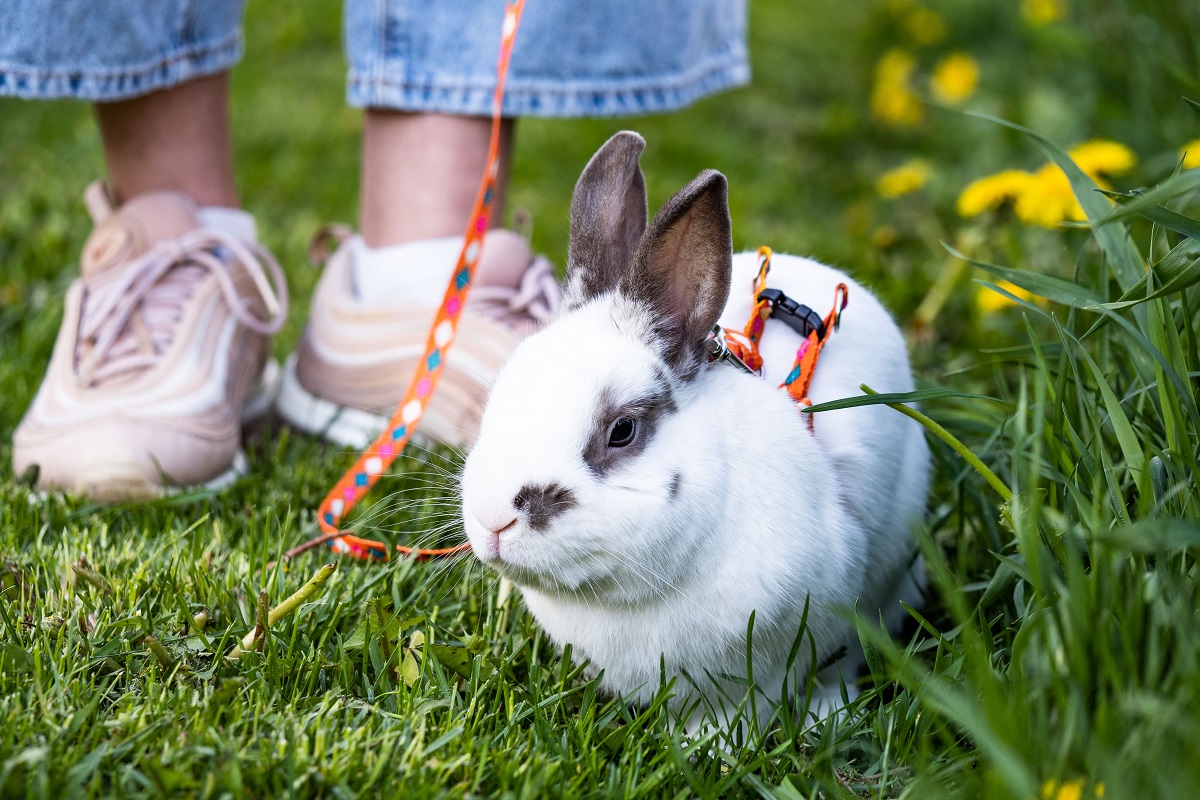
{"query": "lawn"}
pixel 1057 654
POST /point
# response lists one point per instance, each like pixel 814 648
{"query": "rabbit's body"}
pixel 655 548
pixel 879 456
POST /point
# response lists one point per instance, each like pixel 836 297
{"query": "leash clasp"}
pixel 718 350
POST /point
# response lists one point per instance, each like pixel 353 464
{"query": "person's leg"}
pixel 174 139
pixel 421 172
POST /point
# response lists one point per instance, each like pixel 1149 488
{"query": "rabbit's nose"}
pixel 498 521
pixel 498 531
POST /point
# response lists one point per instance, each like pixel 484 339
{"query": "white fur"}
pixel 767 515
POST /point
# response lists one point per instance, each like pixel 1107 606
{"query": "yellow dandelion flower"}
pixel 925 26
pixel 992 192
pixel 895 67
pixel 954 78
pixel 1043 12
pixel 1102 157
pixel 1190 153
pixel 904 179
pixel 989 301
pixel 892 99
pixel 1045 197
pixel 896 105
pixel 1049 199
pixel 1068 790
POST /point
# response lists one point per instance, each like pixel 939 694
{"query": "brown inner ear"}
pixel 682 270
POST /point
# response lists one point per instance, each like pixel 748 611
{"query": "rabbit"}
pixel 646 501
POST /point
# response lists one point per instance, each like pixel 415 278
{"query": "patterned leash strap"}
pixel 357 482
pixel 744 343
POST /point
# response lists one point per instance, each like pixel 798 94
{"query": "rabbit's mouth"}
pixel 559 584
pixel 580 575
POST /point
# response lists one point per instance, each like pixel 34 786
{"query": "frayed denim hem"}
pixel 101 85
pixel 545 98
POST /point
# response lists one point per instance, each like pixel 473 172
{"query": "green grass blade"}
pixel 1175 282
pixel 918 396
pixel 1171 220
pixel 1130 446
pixel 1048 286
pixel 1169 189
pixel 947 437
pixel 1170 267
pixel 1165 337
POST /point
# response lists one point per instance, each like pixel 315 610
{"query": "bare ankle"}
pixel 176 139
pixel 421 172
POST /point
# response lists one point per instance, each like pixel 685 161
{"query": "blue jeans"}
pixel 572 58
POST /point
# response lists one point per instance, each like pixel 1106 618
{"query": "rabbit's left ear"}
pixel 682 268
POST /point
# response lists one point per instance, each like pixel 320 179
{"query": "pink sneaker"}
pixel 357 355
pixel 161 355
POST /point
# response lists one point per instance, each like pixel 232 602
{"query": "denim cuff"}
pixel 193 60
pixel 548 98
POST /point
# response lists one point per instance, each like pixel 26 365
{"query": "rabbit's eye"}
pixel 622 431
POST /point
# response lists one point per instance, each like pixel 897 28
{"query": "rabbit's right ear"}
pixel 608 217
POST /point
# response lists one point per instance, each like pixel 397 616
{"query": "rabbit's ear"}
pixel 681 271
pixel 608 216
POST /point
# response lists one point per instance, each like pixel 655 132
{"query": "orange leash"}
pixel 744 343
pixel 359 479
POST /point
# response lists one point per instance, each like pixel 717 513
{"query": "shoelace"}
pixel 128 325
pixel 536 298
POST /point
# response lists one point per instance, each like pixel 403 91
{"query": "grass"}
pixel 1059 647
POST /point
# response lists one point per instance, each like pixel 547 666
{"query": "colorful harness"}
pixel 741 347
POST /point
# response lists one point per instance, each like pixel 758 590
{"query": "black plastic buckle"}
pixel 797 316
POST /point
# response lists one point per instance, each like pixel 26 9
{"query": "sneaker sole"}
pixel 117 477
pixel 342 425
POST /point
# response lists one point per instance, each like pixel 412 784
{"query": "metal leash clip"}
pixel 797 316
pixel 718 350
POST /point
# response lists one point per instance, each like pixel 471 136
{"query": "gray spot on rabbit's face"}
pixel 541 504
pixel 646 411
pixel 675 485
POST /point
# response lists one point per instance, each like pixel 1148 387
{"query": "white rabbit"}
pixel 646 501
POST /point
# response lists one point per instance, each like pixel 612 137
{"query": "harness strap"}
pixel 744 343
